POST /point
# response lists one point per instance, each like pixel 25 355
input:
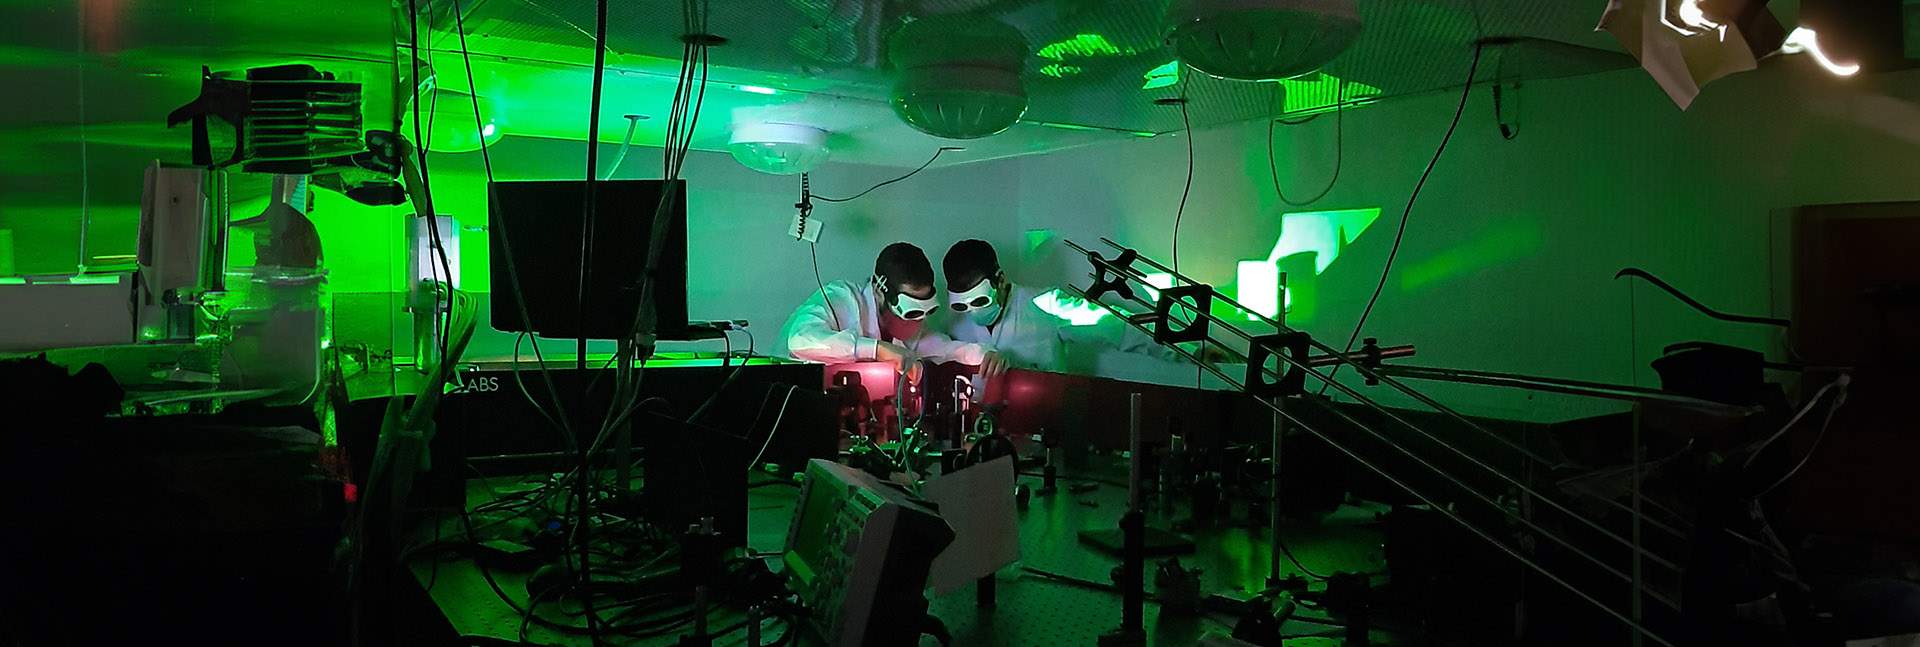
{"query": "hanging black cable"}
pixel 1186 125
pixel 856 196
pixel 582 529
pixel 1507 131
pixel 1394 251
pixel 1696 305
pixel 559 417
pixel 1339 149
pixel 442 321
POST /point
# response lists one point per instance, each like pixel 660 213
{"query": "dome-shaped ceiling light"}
pixel 779 149
pixel 958 76
pixel 1260 40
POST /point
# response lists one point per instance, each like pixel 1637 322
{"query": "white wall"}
pixel 1517 241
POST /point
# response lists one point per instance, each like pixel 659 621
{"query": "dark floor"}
pixel 1031 610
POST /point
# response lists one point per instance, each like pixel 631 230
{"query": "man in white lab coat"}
pixel 880 319
pixel 990 310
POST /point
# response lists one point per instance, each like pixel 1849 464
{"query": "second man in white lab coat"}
pixel 988 309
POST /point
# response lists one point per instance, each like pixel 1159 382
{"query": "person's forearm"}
pixel 833 349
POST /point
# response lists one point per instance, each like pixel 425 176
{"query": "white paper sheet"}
pixel 978 503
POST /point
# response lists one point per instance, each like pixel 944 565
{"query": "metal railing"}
pixel 1117 278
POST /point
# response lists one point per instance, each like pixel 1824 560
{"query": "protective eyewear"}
pixel 979 296
pixel 903 305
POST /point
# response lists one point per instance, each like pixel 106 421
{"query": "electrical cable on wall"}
pixel 805 219
pixel 1386 269
pixel 876 187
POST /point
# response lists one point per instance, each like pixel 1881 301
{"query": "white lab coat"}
pixel 1031 338
pixel 841 323
pixel 1026 335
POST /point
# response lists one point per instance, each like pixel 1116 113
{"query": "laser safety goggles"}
pixel 904 305
pixel 979 296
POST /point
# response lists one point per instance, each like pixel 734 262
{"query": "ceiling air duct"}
pixel 1260 40
pixel 958 76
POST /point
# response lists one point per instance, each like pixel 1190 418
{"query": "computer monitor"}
pixel 541 220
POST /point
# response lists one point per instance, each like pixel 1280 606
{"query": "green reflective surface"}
pixel 1070 308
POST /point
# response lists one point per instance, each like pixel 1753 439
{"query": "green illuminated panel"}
pixel 1320 233
pixel 1258 284
pixel 1322 92
pixel 1069 308
pixel 1162 76
pixel 1061 70
pixel 1081 46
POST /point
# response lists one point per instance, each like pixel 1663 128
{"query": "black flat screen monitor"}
pixel 541 219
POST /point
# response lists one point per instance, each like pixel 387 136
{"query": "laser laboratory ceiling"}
pixel 1091 68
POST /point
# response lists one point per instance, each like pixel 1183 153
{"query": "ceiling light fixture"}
pixel 959 76
pixel 1260 40
pixel 758 89
pixel 778 149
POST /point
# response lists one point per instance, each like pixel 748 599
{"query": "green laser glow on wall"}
pixel 1257 281
pixel 1321 233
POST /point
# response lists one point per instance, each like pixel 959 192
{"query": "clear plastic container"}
pixel 276 323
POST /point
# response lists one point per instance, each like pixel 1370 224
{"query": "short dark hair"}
pixel 968 262
pixel 903 264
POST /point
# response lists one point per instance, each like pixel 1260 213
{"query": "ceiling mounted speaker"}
pixel 958 77
pixel 1260 40
pixel 779 149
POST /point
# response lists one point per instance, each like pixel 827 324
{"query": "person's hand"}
pixel 994 364
pixel 899 356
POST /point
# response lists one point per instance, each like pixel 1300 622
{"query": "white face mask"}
pixel 977 303
pixel 903 305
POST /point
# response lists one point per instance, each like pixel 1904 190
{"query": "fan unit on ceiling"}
pixel 959 77
pixel 1260 40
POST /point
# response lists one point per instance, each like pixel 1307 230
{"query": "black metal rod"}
pixel 1383 410
pixel 1444 510
pixel 1133 528
pixel 1455 480
pixel 1386 352
pixel 1357 366
pixel 1560 385
pixel 1182 277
